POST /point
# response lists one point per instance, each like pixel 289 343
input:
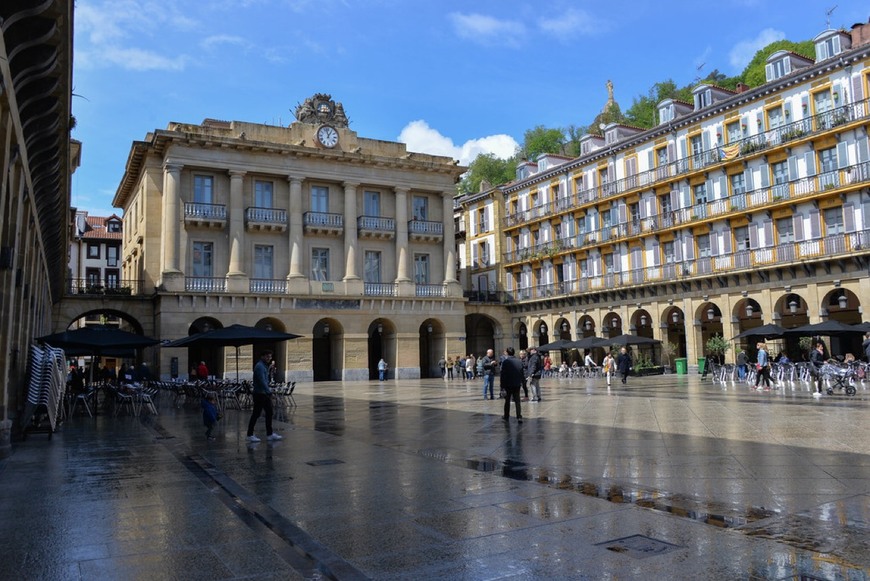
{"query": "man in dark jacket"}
pixel 511 381
pixel 488 364
pixel 533 372
pixel 623 363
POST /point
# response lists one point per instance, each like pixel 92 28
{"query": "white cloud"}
pixel 743 51
pixel 421 138
pixel 570 24
pixel 214 41
pixel 488 30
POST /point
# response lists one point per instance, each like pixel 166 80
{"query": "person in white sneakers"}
pixel 817 358
pixel 262 398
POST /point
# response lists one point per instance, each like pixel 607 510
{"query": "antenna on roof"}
pixel 828 13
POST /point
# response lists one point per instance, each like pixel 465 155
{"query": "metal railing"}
pixel 324 219
pixel 751 144
pixel 476 296
pixel 106 287
pixel 832 246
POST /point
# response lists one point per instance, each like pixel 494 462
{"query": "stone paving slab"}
pixel 666 477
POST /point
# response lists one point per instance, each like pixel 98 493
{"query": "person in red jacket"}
pixel 202 371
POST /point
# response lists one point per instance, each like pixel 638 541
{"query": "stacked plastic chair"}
pixel 45 389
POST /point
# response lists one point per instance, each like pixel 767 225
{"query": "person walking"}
pixel 524 359
pixel 817 358
pixel 742 361
pixel 608 364
pixel 533 372
pixel 623 363
pixel 450 364
pixel 511 378
pixel 763 366
pixel 202 371
pixel 458 367
pixel 442 367
pixel 469 366
pixel 262 395
pixel 382 369
pixel 488 365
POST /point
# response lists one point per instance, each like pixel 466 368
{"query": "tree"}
pixel 644 108
pixel 489 168
pixel 542 140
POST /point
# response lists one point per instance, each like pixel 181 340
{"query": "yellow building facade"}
pixel 739 209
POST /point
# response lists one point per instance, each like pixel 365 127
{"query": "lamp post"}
pixel 711 314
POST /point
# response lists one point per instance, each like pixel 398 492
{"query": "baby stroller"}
pixel 839 377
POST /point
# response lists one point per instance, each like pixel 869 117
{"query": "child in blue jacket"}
pixel 210 415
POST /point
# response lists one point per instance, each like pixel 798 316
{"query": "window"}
pixel 668 252
pixel 608 263
pixel 741 238
pixel 665 203
pixel 780 179
pixel 421 268
pixel 371 203
pixel 483 220
pixel 372 267
pixel 113 226
pixel 263 262
pixel 92 276
pixel 112 255
pixel 704 249
pixel 112 278
pixel 604 180
pixel 320 199
pixel 262 194
pixel 203 189
pixel 828 159
pixel 775 118
pixel 785 230
pixel 483 254
pixel 578 184
pixel 93 250
pixel 661 157
pixel 779 68
pixel 822 101
pixel 666 113
pixel 834 221
pixel 733 131
pixel 700 192
pixel 421 208
pixel 738 184
pixel 584 267
pixel 703 99
pixel 203 259
pixel 697 150
pixel 320 264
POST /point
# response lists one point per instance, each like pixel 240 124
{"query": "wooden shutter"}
pixel 726 241
pixel 681 144
pixel 690 246
pixel 768 233
pixel 671 156
pixel 768 72
pixel 678 249
pixel 705 140
pixel 861 147
pixel 753 235
pixel 810 158
pixel 723 188
pixel 858 88
pixel 765 175
pixel 656 253
pixel 747 179
pixel 798 221
pixel 792 168
pixel 849 217
pixel 786 110
pixel 815 225
pixel 842 155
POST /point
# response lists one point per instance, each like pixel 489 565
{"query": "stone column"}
pixel 402 235
pixel 171 274
pixel 449 238
pixel 295 229
pixel 236 223
pixel 350 233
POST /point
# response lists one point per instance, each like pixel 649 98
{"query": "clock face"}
pixel 327 136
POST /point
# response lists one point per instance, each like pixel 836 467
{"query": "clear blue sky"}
pixel 448 77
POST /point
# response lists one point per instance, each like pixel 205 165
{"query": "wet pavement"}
pixel 667 477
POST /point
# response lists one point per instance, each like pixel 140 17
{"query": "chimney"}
pixel 860 34
pixel 741 87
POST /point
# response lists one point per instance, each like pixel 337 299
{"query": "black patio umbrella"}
pixel 862 327
pixel 98 340
pixel 827 328
pixel 769 330
pixel 588 343
pixel 232 336
pixel 625 340
pixel 556 345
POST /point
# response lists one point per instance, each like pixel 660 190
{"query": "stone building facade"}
pixel 310 229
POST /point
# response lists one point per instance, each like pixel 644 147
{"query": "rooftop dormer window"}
pixel 703 99
pixel 830 43
pixel 666 113
pixel 113 226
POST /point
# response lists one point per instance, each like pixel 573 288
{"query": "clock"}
pixel 327 136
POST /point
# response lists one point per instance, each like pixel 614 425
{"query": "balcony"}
pixel 375 227
pixel 270 286
pixel 499 297
pixel 205 284
pixel 380 289
pixel 425 231
pixel 106 287
pixel 836 246
pixel 203 215
pixel 430 290
pixel 323 223
pixel 266 219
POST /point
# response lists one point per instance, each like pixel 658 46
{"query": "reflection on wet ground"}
pixel 667 478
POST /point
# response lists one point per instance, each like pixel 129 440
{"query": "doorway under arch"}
pixel 326 345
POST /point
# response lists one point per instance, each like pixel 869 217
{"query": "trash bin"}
pixel 702 361
pixel 682 365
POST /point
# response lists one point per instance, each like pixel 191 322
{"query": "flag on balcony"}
pixel 729 151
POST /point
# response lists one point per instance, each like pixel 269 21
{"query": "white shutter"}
pixel 792 168
pixel 858 88
pixel 842 155
pixel 765 175
pixel 768 233
pixel 815 225
pixel 798 227
pixel 690 246
pixel 753 235
pixel 849 217
pixel 810 158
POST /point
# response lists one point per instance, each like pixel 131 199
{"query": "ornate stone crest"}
pixel 321 109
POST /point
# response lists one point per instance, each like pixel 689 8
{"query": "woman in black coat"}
pixel 623 363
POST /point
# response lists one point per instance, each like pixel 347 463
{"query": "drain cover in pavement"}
pixel 328 462
pixel 639 546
